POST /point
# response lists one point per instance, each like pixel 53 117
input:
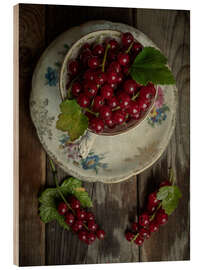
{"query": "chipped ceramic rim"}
pixel 62 84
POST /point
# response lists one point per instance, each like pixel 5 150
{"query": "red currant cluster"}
pixel 148 221
pixel 81 222
pixel 103 87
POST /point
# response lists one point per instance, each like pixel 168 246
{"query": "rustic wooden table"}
pixel 114 204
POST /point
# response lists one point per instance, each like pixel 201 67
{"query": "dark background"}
pixel 114 204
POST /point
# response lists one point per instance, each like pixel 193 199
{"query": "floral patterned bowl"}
pixel 98 36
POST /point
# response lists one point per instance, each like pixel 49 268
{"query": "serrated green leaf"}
pixel 50 196
pixel 150 66
pixel 72 119
pixel 169 195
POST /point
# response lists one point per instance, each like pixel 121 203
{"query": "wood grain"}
pixel 31 156
pixel 170 31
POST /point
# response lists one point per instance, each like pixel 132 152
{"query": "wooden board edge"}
pixel 16 134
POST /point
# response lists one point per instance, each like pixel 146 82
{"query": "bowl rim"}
pixel 63 66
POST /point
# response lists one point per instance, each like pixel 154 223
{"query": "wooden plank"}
pixel 112 203
pixel 170 30
pixel 31 155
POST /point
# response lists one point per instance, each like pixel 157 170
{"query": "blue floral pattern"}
pixel 52 76
pixel 91 162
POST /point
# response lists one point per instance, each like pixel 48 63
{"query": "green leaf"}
pixel 150 66
pixel 169 195
pixel 50 196
pixel 72 119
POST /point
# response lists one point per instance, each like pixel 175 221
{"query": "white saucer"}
pixel 111 159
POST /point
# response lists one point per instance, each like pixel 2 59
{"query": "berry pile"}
pixel 149 221
pixel 100 81
pixel 81 222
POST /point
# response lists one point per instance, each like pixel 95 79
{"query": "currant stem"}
pixel 105 55
pixel 134 238
pixel 171 177
pixel 88 110
pixel 135 96
pixel 115 109
pixel 152 216
pixel 129 48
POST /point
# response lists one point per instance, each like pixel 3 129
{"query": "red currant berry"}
pixel 143 104
pixel 118 117
pixel 126 70
pixel 135 226
pixel 153 226
pixel 144 233
pixel 123 100
pixel 62 208
pixel 110 123
pixel 86 46
pixel 130 87
pixel 139 240
pixel 152 199
pixel 100 78
pixel 98 103
pixel 147 93
pixel 133 108
pixel 83 100
pixel 82 235
pixel 144 220
pixel 161 218
pixel 91 237
pixel 165 183
pixel 115 66
pixel 112 102
pixel 76 89
pixel 112 77
pixel 98 50
pixel 151 208
pixel 93 62
pixel 105 112
pixel 123 59
pixel 127 39
pixel 113 85
pixel 100 234
pixel 120 78
pixel 112 55
pixel 89 75
pixel 70 218
pixel 77 226
pixel 81 214
pixel 137 47
pixel 113 44
pixel 106 91
pixel 97 125
pixel 85 57
pixel 89 216
pixel 90 89
pixel 89 115
pixel 92 226
pixel 73 67
pixel 129 236
pixel 75 203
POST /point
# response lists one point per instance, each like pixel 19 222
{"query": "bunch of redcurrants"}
pixel 102 85
pixel 80 221
pixel 149 221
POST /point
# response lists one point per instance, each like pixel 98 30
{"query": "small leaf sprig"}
pixel 161 204
pixel 66 204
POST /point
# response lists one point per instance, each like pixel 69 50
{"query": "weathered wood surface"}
pixel 115 204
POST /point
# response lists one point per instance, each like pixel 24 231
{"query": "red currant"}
pixel 130 87
pixel 115 66
pixel 133 108
pixel 76 89
pixel 123 100
pixel 89 75
pixel 83 100
pixel 82 235
pixel 144 233
pixel 127 39
pixel 80 214
pixel 93 62
pixel 113 44
pixel 151 208
pixel 100 234
pixel 144 220
pixel 137 47
pixel 106 91
pixel 70 218
pixel 98 50
pixel 75 203
pixel 139 240
pixel 135 226
pixel 77 226
pixel 97 125
pixel 100 78
pixel 112 102
pixel 91 238
pixel 90 89
pixel 165 183
pixel 143 104
pixel 153 226
pixel 161 218
pixel 123 59
pixel 89 216
pixel 112 77
pixel 98 103
pixel 73 67
pixel 62 208
pixel 105 112
pixel 129 236
pixel 152 199
pixel 110 122
pixel 118 117
pixel 92 226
